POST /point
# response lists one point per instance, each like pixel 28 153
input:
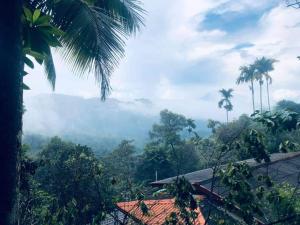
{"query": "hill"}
pixel 100 125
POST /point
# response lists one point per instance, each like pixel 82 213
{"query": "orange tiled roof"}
pixel 159 210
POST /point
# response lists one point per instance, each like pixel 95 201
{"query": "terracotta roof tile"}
pixel 159 210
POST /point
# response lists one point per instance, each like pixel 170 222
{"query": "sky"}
pixel 189 50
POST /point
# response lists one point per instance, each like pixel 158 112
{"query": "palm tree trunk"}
pixel 268 93
pixel 260 93
pixel 227 116
pixel 252 91
pixel 11 105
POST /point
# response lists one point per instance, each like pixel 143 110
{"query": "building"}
pixel 283 168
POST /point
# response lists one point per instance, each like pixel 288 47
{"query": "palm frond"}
pixel 93 41
pixel 129 12
pixel 50 69
pixel 228 106
pixel 221 102
pixel 94 33
pixel 227 94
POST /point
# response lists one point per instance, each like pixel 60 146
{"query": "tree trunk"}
pixel 260 93
pixel 252 91
pixel 227 116
pixel 268 93
pixel 11 105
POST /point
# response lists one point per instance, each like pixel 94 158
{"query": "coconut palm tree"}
pixel 264 66
pixel 247 74
pixel 225 101
pixel 90 35
pixel 11 102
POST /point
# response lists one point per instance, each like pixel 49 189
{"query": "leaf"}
pixel 159 192
pixel 57 32
pixel 36 15
pixel 43 21
pixel 28 62
pixel 28 14
pixel 25 87
pixel 50 68
pixel 39 57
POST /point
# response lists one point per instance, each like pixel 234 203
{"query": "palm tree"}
pixel 90 35
pixel 247 74
pixel 225 101
pixel 264 66
pixel 11 103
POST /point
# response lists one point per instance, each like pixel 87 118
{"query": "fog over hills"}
pixel 100 125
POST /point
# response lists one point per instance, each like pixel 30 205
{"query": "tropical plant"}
pixel 90 35
pixel 247 74
pixel 225 101
pixel 263 67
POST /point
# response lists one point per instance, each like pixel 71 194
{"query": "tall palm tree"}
pixel 11 103
pixel 91 36
pixel 225 101
pixel 247 74
pixel 264 66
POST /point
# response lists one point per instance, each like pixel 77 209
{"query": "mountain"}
pixel 100 125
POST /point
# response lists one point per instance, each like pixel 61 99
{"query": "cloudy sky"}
pixel 190 49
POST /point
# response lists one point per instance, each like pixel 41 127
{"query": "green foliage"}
pixel 168 153
pixel 257 197
pixel 278 121
pixel 90 34
pixel 235 177
pixel 255 146
pixel 70 185
pixel 39 35
pixel 187 205
pixel 154 161
pixel 120 167
pixel 73 176
pixel 288 106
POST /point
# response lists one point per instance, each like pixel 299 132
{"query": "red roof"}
pixel 158 211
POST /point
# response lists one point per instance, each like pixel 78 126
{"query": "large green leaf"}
pixel 36 15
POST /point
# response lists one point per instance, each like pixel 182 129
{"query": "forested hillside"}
pixel 100 125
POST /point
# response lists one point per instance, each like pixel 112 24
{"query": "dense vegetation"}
pixel 66 183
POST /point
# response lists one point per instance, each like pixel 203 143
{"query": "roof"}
pixel 284 167
pixel 159 211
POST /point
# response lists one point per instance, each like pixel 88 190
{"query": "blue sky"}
pixel 190 49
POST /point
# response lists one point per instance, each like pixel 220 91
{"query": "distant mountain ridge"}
pixel 101 125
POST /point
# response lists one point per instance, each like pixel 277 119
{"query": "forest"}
pixel 65 183
pixel 115 163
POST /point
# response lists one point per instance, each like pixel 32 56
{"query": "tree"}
pixel 288 105
pixel 120 167
pixel 225 101
pixel 74 177
pixel 169 152
pixel 11 103
pixel 154 163
pixel 90 35
pixel 263 67
pixel 247 74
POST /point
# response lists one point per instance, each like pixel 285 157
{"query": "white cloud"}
pixel 162 62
